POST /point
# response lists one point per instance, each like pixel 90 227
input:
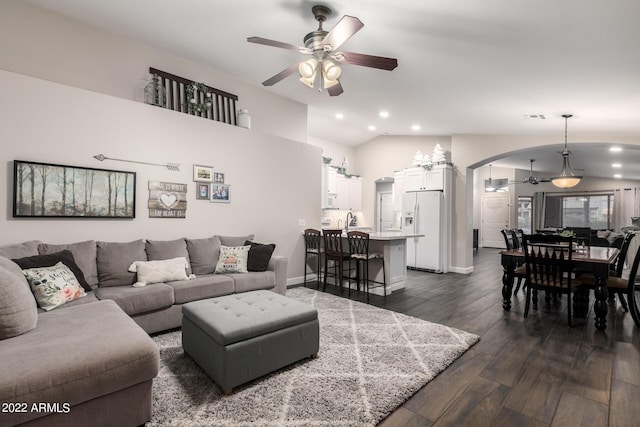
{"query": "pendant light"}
pixel 489 187
pixel 566 179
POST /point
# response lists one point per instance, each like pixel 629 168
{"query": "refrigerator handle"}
pixel 416 209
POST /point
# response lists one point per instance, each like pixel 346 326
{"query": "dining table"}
pixel 590 259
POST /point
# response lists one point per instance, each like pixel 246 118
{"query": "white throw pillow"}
pixel 166 270
pixel 53 286
pixel 233 259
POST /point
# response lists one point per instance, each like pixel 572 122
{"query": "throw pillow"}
pixel 233 259
pixel 18 311
pixel 65 257
pixel 160 271
pixel 259 255
pixel 167 249
pixel 53 286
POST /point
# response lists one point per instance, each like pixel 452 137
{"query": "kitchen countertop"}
pixel 392 235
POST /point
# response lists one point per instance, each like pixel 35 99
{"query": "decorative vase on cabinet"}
pixel 244 119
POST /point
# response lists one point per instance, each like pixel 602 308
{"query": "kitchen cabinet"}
pixel 420 179
pixel 348 193
pixel 398 190
pixel 329 187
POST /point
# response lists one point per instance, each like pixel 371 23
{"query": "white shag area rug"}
pixel 370 361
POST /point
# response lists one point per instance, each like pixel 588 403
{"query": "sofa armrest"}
pixel 278 264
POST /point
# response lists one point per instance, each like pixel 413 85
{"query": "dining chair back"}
pixel 513 243
pixel 313 249
pixel 508 238
pixel 333 251
pixel 359 249
pixel 633 290
pixel 549 267
pixel 618 264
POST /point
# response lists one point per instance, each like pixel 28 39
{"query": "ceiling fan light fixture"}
pixel 567 179
pixel 308 68
pixel 331 71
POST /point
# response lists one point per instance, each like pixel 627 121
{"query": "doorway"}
pixel 494 217
pixel 385 216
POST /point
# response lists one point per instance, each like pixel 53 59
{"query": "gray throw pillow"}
pixel 204 254
pixel 84 253
pixel 114 260
pixel 158 250
pixel 18 309
pixel 234 240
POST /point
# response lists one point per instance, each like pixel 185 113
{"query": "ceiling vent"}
pixel 535 116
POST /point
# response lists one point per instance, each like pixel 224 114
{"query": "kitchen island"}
pixel 393 245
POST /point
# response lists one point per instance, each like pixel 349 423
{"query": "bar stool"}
pixel 312 249
pixel 332 240
pixel 359 248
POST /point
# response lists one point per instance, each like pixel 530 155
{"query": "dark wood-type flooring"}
pixel 522 372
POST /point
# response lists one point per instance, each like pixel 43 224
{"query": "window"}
pixel 579 211
pixel 525 214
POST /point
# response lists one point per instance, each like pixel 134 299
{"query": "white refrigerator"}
pixel 422 213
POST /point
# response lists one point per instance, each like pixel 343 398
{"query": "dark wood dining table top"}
pixel 590 254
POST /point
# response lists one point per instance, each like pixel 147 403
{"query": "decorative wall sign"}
pixel 220 193
pixel 218 177
pixel 203 191
pixel 167 200
pixel 49 190
pixel 202 173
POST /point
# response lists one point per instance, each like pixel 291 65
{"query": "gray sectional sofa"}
pixel 90 360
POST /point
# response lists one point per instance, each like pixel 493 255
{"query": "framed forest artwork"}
pixel 47 190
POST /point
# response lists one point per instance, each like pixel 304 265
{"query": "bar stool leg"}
pixel 318 273
pixel 384 280
pixel 304 282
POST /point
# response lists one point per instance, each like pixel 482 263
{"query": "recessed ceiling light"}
pixel 415 127
pixel 371 127
pixel 339 116
pixel 616 165
pixel 384 114
pixel 617 176
pixel 615 149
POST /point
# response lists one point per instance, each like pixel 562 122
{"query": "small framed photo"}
pixel 218 177
pixel 203 191
pixel 220 193
pixel 202 173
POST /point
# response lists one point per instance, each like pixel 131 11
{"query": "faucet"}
pixel 346 224
pixel 339 220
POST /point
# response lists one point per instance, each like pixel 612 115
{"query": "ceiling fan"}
pixel 321 69
pixel 531 179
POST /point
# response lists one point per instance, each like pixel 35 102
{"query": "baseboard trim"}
pixel 292 281
pixel 461 270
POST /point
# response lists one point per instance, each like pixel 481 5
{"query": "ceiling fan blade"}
pixel 281 75
pixel 335 90
pixel 274 43
pixel 379 62
pixel 344 29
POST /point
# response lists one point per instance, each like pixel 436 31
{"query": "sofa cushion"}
pixel 234 240
pixel 75 355
pixel 53 286
pixel 84 253
pixel 114 259
pixel 138 300
pixel 88 298
pixel 233 259
pixel 167 249
pixel 160 271
pixel 18 312
pixel 259 255
pixel 204 254
pixel 20 250
pixel 204 286
pixel 253 280
pixel 49 260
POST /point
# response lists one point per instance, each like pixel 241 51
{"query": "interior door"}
pixel 385 211
pixel 495 217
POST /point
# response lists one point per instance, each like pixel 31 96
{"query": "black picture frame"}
pixel 48 190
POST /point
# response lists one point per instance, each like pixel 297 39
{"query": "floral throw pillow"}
pixel 53 286
pixel 233 259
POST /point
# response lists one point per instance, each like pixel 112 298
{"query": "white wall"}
pixel 337 153
pixel 43 44
pixel 275 181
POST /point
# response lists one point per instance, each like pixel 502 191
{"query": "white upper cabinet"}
pixel 421 179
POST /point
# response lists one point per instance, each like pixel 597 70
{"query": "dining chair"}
pixel 549 266
pixel 510 241
pixel 359 249
pixel 615 272
pixel 333 251
pixel 620 286
pixel 313 249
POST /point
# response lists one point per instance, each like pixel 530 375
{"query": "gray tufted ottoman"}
pixel 238 338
